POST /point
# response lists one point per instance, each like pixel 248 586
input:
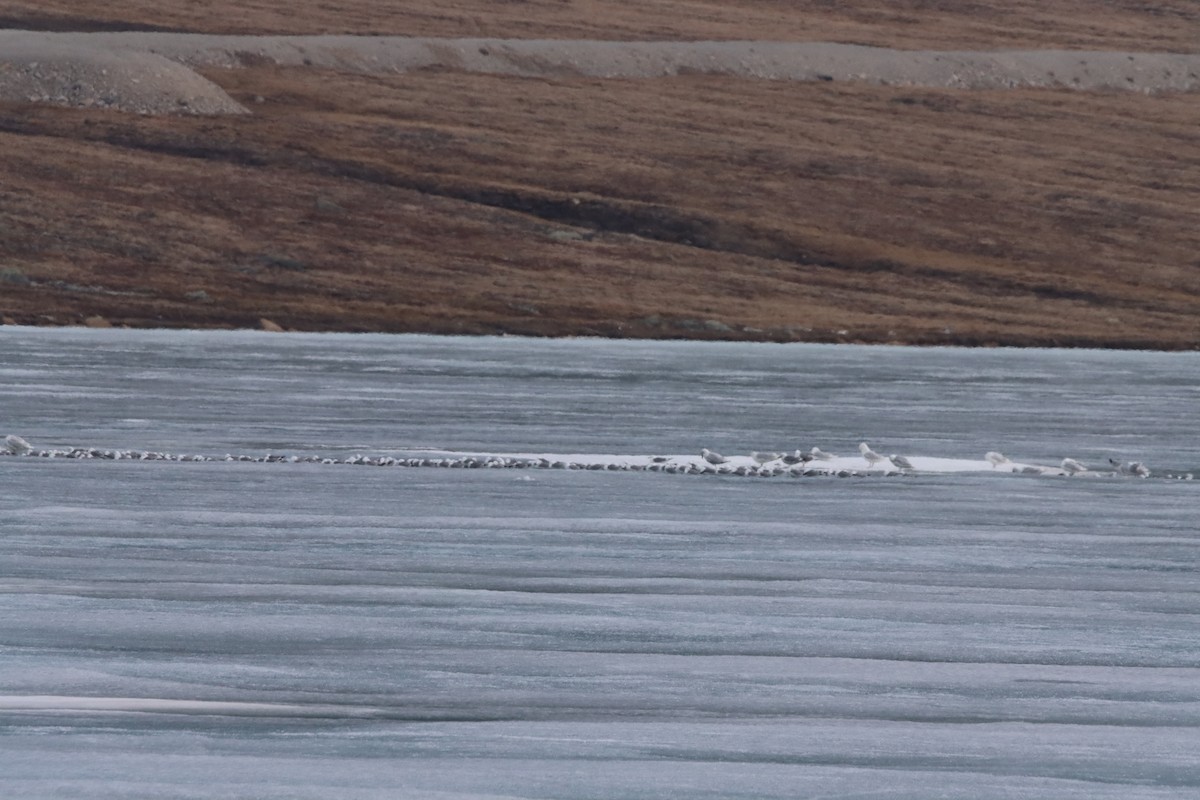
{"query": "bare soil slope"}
pixel 1164 25
pixel 697 205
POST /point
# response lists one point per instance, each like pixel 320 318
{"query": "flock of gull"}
pixel 818 461
pixel 814 462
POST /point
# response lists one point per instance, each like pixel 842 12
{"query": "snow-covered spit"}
pixel 797 464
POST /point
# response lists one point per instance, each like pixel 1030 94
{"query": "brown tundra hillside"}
pixel 701 205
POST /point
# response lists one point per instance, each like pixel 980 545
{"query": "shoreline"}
pixel 948 343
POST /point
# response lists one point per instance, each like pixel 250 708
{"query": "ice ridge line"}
pixel 676 465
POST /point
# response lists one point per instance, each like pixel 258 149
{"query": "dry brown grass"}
pixel 1171 25
pixel 451 202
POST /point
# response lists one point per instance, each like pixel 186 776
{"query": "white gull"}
pixel 1073 467
pixel 997 459
pixel 870 455
pixel 16 445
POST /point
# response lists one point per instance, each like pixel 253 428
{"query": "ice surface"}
pixel 308 630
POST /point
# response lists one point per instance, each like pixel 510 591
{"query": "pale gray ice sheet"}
pixel 216 630
pixel 245 391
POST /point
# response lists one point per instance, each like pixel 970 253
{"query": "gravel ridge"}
pixel 152 73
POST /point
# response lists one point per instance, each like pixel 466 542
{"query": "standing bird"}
pixel 1132 468
pixel 900 462
pixel 17 446
pixel 820 455
pixel 797 458
pixel 1073 467
pixel 711 457
pixel 765 458
pixel 870 455
pixel 997 459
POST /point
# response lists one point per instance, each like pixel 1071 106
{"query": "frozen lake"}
pixel 248 630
